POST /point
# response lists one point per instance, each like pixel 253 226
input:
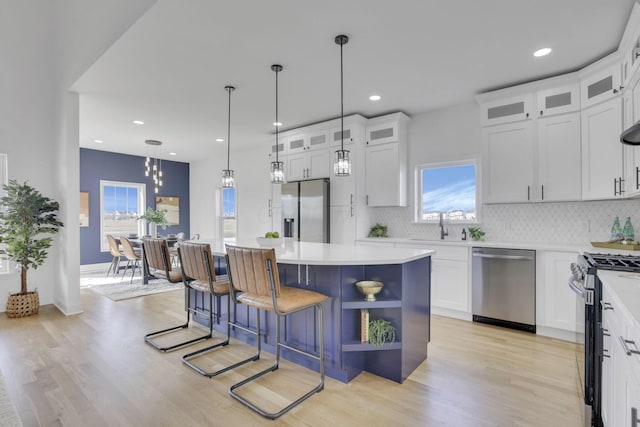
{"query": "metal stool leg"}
pixel 186 359
pixel 316 389
pixel 149 337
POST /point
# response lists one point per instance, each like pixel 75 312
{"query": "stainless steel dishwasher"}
pixel 504 287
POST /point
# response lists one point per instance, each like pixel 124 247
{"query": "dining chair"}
pixel 133 257
pixel 197 264
pixel 254 281
pixel 116 253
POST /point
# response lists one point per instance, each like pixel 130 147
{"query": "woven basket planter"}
pixel 22 305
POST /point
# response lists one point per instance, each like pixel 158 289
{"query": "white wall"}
pixel 251 169
pixel 48 45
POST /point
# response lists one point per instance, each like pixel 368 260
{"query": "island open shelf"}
pixel 333 270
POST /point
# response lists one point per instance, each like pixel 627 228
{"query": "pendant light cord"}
pixel 341 102
pixel 229 89
pixel 277 123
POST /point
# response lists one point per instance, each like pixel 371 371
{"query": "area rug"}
pixel 8 414
pixel 118 288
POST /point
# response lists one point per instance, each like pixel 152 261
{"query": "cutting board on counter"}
pixel 609 245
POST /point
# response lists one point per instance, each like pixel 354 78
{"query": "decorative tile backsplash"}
pixel 561 223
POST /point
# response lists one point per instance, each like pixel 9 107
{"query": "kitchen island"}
pixel 333 270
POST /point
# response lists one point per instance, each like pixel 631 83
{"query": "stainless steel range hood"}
pixel 631 136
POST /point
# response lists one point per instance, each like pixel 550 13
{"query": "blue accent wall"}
pixel 98 165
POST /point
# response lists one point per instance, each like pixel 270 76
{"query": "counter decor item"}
pixel 618 243
pixel 628 232
pixel 271 239
pixel 381 331
pixel 476 233
pixel 155 218
pixel 616 229
pixel 369 288
pixel 25 215
pixel 378 230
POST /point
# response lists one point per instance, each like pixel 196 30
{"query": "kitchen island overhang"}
pixel 333 270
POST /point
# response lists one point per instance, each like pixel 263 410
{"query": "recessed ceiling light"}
pixel 542 52
pixel 374 98
pixel 277 124
pixel 138 122
pixel 98 141
pixel 172 154
pixel 219 140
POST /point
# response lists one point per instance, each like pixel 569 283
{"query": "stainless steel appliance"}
pixel 305 210
pixel 585 283
pixel 504 287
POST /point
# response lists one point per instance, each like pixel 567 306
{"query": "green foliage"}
pixel 378 230
pixel 25 214
pixel 156 216
pixel 381 331
pixel 476 233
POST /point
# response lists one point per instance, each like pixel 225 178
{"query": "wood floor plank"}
pixel 94 369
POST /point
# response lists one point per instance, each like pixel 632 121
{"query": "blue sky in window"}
pixel 449 188
pixel 120 199
pixel 228 201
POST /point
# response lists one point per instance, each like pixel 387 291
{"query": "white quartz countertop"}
pixel 627 288
pixel 493 244
pixel 293 252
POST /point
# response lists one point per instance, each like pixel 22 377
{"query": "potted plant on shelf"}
pixel 381 331
pixel 25 215
pixel 476 233
pixel 155 218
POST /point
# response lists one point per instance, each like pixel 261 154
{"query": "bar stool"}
pixel 254 281
pixel 158 258
pixel 190 278
pixel 197 263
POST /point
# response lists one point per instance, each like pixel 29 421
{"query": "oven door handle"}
pixel 576 288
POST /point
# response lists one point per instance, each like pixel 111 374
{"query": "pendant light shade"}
pixel 341 163
pixel 153 166
pixel 227 174
pixel 277 167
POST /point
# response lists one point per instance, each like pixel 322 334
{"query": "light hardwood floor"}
pixel 94 369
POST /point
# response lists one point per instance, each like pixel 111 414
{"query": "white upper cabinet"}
pixel 350 135
pixel 508 166
pixel 559 158
pixel 600 85
pixel 558 100
pixel 386 161
pixel 307 155
pixel 602 151
pixel 382 133
pixel 507 110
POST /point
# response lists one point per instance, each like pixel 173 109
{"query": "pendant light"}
pixel 342 164
pixel 153 166
pixel 277 167
pixel 227 174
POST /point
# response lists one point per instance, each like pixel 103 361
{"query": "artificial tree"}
pixel 25 216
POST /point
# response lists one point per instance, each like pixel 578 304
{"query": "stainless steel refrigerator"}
pixel 305 210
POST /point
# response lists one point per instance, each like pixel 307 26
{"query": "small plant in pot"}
pixel 25 216
pixel 381 331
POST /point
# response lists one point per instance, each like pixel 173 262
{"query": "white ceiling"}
pixel 170 68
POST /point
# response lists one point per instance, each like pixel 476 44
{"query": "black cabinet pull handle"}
pixel 528 192
pixel 615 186
pixel 540 112
pixel 637 178
pixel 542 191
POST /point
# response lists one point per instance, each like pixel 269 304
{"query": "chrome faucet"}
pixel 443 232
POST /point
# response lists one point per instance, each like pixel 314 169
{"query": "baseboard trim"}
pixel 451 313
pixel 92 268
pixel 560 334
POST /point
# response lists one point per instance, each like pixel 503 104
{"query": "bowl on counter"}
pixel 270 242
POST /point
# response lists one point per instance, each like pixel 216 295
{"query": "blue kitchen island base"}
pixel 404 301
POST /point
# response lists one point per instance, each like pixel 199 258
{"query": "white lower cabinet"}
pixel 620 403
pixel 450 284
pixel 556 302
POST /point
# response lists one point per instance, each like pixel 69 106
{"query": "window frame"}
pixel 224 218
pixel 142 197
pixel 452 163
